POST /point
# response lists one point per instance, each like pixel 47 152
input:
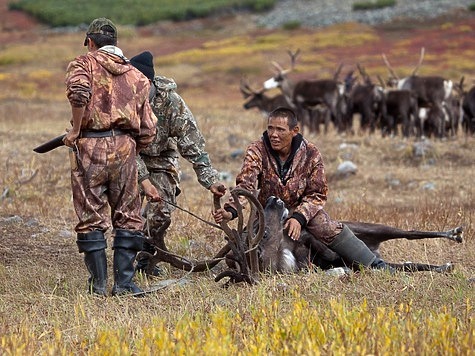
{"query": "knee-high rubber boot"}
pixel 126 245
pixel 354 251
pixel 93 244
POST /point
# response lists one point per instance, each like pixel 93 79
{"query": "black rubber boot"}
pixel 144 260
pixel 93 244
pixel 126 245
pixel 355 252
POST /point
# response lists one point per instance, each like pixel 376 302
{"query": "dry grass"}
pixel 42 277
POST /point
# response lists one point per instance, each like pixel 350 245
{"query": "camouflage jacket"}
pixel 114 93
pixel 300 182
pixel 177 130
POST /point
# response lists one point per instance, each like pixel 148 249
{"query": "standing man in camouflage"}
pixel 286 165
pixel 111 121
pixel 177 133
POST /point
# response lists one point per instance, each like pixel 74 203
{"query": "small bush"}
pixel 373 5
pixel 291 25
pixel 471 7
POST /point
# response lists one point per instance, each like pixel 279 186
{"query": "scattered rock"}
pixel 428 186
pixel 11 220
pixel 392 182
pixel 321 13
pixel 423 149
pixel 345 169
pixel 237 153
pixel 225 176
pixel 32 222
pixel 337 272
pixel 65 234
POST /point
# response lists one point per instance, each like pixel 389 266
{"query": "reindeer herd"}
pixel 419 106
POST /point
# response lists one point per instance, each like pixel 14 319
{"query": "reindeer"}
pixel 310 95
pixel 260 244
pixel 366 99
pixel 257 99
pixel 283 254
pixel 468 120
pixel 466 100
pixel 401 109
pixel 431 91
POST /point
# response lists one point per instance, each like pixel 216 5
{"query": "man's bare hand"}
pixel 70 138
pixel 221 215
pixel 293 228
pixel 218 189
pixel 151 192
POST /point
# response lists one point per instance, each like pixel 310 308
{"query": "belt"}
pixel 108 133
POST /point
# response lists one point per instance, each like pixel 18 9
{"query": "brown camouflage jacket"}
pixel 300 182
pixel 177 130
pixel 114 93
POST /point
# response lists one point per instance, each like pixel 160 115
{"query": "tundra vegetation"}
pixel 374 4
pixel 400 182
pixel 144 12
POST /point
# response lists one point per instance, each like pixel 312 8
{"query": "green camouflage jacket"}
pixel 177 130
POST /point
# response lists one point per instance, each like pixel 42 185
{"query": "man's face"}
pixel 280 135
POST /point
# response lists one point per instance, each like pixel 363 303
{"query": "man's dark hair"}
pixel 285 113
pixel 102 40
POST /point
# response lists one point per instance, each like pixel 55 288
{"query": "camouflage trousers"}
pixel 323 228
pixel 104 184
pixel 158 215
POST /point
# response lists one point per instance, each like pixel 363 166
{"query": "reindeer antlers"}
pixel 246 89
pixel 363 73
pixel 293 59
pixel 420 61
pixel 337 72
pixel 414 72
pixel 388 66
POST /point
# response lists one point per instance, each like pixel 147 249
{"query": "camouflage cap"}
pixel 103 26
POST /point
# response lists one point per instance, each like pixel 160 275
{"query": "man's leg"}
pixel 93 244
pixel 343 241
pixel 90 203
pixel 158 219
pixel 126 245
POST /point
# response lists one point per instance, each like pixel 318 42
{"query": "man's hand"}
pixel 293 228
pixel 151 192
pixel 218 189
pixel 222 215
pixel 70 138
pixel 72 134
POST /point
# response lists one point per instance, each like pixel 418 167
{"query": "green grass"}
pixel 138 12
pixel 373 4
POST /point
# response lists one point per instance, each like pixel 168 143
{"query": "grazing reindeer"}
pixel 310 95
pixel 431 91
pixel 447 116
pixel 468 121
pixel 366 99
pixel 401 109
pixel 467 102
pixel 257 99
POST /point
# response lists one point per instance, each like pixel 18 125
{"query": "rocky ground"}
pixel 320 13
